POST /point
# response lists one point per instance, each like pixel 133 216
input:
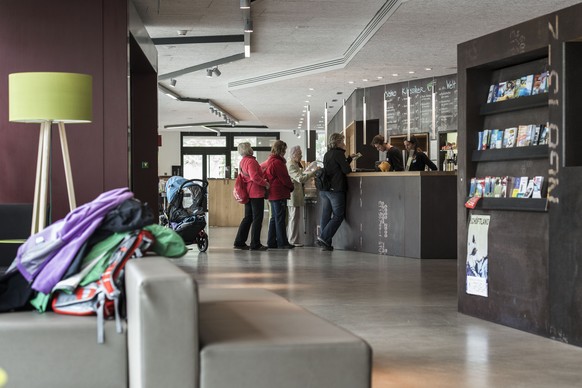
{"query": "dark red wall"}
pixel 81 36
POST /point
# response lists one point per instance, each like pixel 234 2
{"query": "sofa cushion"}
pixel 162 307
pixel 273 343
pixel 52 350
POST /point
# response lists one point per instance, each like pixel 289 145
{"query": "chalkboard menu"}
pixel 421 102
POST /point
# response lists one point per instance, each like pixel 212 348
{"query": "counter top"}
pixel 403 173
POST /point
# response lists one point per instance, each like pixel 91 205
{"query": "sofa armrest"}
pixel 162 320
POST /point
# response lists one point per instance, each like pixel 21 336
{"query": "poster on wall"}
pixel 477 257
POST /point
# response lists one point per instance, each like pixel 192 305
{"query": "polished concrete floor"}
pixel 406 309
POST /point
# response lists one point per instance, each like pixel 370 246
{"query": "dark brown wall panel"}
pixel 35 36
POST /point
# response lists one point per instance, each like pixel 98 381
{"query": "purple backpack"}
pixel 45 257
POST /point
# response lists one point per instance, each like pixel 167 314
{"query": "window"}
pixel 256 141
pixel 203 141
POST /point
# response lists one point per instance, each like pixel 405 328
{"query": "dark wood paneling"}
pixel 144 131
pixel 566 175
pixel 92 40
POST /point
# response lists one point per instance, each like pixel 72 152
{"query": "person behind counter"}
pixel 417 160
pixel 393 154
pixel 297 200
pixel 281 187
pixel 256 184
pixel 333 201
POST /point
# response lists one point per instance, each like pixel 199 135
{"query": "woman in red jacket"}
pixel 256 185
pixel 281 187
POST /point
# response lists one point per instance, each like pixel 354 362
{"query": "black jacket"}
pixel 336 166
pixel 394 157
pixel 420 161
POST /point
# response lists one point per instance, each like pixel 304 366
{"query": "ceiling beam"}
pixel 202 66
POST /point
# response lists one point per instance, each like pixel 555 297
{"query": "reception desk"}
pixel 409 214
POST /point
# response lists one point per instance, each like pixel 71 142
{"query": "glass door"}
pixel 193 168
pixel 216 166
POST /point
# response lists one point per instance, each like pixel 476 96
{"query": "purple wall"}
pixel 81 36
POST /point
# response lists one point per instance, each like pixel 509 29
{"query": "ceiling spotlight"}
pixel 182 32
pixel 209 73
pixel 245 4
pixel 173 82
pixel 217 72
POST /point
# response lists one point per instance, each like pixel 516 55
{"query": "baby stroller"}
pixel 186 208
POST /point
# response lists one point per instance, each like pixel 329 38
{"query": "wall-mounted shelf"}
pixel 514 153
pixel 538 100
pixel 516 204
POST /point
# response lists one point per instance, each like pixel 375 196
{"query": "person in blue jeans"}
pixel 280 190
pixel 333 201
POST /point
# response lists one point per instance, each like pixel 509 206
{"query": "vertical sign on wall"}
pixel 477 266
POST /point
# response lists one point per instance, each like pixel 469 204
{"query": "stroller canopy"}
pixel 173 186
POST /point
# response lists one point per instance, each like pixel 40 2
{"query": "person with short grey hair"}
pixel 245 149
pixel 297 200
pixel 256 184
pixel 333 201
pixel 335 140
pixel 280 190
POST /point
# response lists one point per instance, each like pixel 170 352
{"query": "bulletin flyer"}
pixel 477 257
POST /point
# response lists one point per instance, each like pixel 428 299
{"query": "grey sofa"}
pixel 180 336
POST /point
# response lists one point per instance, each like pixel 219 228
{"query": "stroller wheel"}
pixel 202 242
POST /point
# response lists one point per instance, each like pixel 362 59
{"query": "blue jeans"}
pixel 277 234
pixel 333 209
pixel 253 217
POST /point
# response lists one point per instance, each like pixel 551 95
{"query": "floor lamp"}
pixel 48 98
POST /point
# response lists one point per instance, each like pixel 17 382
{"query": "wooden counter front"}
pixel 409 214
pixel 223 209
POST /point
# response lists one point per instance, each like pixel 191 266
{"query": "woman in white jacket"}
pixel 297 200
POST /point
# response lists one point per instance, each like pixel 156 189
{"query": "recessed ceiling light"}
pixel 379 77
pixel 364 80
pixel 428 68
pixel 411 72
pixel 350 82
pixel 394 74
pixel 311 89
pixel 307 101
pixel 309 95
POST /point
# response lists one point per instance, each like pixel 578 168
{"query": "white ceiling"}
pixel 319 44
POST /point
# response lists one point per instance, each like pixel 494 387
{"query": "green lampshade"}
pixel 38 97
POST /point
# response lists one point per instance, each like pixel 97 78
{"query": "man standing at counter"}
pixel 333 201
pixel 394 156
